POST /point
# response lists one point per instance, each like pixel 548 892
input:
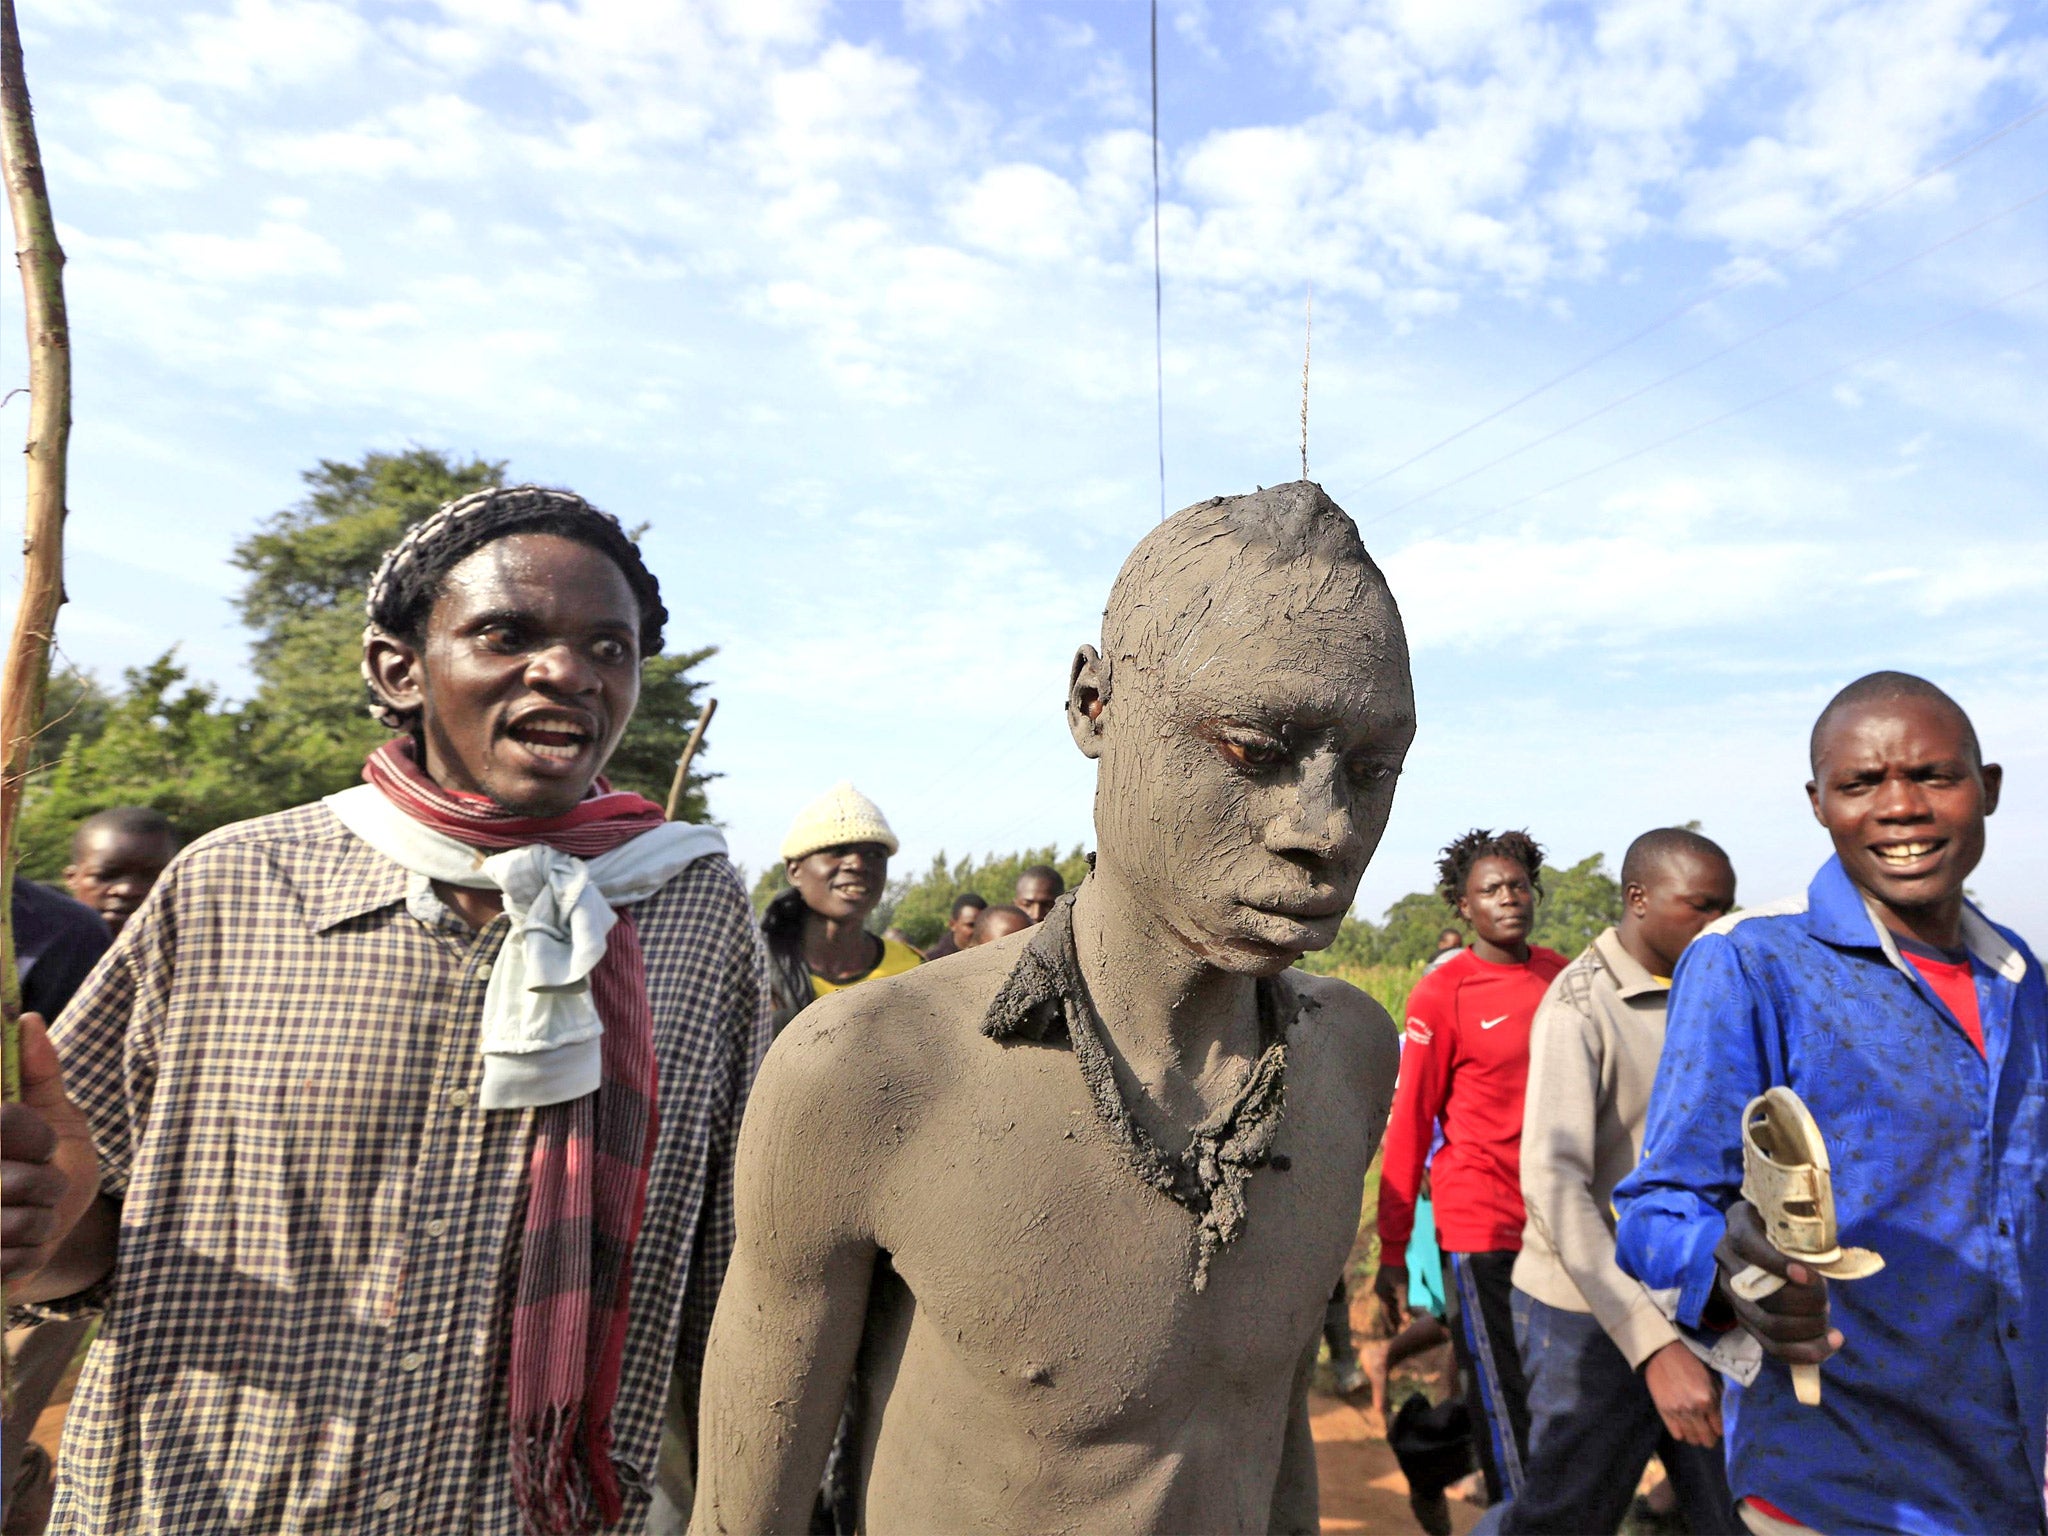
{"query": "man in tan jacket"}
pixel 1610 1380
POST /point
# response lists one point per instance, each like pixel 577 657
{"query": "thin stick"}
pixel 1307 340
pixel 25 676
pixel 675 788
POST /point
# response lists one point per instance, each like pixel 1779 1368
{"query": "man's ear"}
pixel 1994 780
pixel 400 674
pixel 1636 898
pixel 1087 695
pixel 1813 799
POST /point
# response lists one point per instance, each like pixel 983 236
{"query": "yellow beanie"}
pixel 841 815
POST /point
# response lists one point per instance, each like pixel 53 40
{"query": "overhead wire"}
pixel 1715 356
pixel 1750 405
pixel 1758 269
pixel 1158 281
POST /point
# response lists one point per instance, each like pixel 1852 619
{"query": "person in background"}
pixel 1450 943
pixel 1037 889
pixel 1916 1032
pixel 837 859
pixel 57 942
pixel 967 906
pixel 116 857
pixel 1464 1064
pixel 402 1213
pixel 1610 1379
pixel 998 923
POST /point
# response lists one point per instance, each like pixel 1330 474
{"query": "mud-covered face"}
pixel 1247 774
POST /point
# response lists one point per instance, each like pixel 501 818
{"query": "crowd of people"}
pixel 396 1141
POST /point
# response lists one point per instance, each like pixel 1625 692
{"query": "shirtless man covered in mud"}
pixel 1072 1202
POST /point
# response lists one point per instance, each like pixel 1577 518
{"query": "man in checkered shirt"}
pixel 344 1291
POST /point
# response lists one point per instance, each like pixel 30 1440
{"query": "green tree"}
pixel 919 904
pixel 1577 904
pixel 164 742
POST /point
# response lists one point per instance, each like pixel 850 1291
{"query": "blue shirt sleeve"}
pixel 1715 1060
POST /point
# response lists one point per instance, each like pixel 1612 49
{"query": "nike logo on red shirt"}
pixel 1489 1023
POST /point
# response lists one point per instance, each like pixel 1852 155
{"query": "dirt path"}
pixel 1362 1488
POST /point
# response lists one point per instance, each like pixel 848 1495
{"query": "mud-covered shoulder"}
pixel 878 1052
pixel 1351 1020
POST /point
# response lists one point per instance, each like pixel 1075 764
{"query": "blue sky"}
pixel 853 304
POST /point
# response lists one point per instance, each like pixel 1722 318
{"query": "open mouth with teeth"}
pixel 1900 855
pixel 559 741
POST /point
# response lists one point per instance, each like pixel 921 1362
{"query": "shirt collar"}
pixel 364 881
pixel 1631 978
pixel 1841 914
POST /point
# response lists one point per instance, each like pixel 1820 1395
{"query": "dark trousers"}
pixel 1496 1391
pixel 1592 1428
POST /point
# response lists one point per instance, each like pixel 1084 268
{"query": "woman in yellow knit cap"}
pixel 837 859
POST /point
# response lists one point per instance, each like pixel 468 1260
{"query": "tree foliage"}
pixel 172 743
pixel 1577 903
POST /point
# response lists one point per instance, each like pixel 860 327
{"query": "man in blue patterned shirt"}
pixel 1917 1033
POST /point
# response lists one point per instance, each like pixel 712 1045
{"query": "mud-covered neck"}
pixel 1046 999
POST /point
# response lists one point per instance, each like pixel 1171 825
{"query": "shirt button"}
pixel 412 1362
pixel 436 1227
pixel 2004 1228
pixel 387 1500
pixel 458 1098
pixel 483 972
pixel 2012 1330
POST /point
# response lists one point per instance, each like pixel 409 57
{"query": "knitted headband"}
pixel 411 569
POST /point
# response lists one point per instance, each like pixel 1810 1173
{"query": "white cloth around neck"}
pixel 540 1034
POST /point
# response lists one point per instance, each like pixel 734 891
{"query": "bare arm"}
pixel 1297 1499
pixel 789 1320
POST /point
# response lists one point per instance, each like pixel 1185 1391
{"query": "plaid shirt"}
pixel 307 1326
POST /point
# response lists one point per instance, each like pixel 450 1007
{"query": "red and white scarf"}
pixel 584 1204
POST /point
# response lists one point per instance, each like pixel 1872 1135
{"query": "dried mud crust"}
pixel 1045 996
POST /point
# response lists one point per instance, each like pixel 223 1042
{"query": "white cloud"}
pixel 943 15
pixel 267 44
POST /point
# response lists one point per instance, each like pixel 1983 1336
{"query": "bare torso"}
pixel 1033 1352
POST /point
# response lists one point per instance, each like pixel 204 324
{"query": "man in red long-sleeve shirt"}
pixel 1465 1063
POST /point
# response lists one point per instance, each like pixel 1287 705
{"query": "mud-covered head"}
pixel 1250 709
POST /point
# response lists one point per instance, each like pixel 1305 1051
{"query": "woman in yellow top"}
pixel 837 858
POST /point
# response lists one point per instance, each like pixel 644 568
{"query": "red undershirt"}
pixel 1950 980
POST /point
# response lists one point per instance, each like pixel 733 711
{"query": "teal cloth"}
pixel 1425 1263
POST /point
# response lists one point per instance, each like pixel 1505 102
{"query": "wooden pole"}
pixel 675 788
pixel 25 675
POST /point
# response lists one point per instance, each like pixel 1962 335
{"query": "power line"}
pixel 1747 406
pixel 1158 285
pixel 1728 285
pixel 1715 356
